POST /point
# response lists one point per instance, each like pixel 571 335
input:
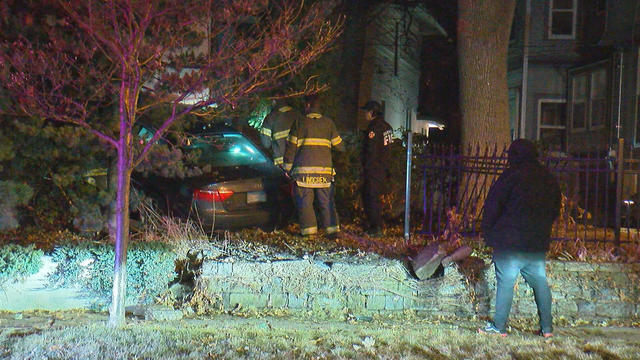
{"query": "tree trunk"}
pixel 483 39
pixel 117 310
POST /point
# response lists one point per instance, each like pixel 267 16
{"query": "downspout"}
pixel 619 102
pixel 525 70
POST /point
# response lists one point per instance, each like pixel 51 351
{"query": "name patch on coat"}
pixel 388 137
pixel 315 180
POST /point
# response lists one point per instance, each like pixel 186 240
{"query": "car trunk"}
pixel 236 187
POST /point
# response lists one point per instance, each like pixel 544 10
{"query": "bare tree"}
pixel 187 55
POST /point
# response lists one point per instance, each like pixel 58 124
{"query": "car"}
pixel 240 187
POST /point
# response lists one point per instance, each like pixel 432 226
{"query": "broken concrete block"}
pixel 426 262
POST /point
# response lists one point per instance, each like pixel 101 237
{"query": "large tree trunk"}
pixel 117 310
pixel 483 38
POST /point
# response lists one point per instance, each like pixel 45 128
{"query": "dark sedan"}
pixel 241 186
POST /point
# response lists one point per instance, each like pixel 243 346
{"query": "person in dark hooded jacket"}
pixel 519 212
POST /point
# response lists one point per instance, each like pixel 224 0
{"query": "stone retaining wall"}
pixel 580 290
pixel 591 292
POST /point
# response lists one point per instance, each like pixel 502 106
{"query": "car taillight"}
pixel 218 195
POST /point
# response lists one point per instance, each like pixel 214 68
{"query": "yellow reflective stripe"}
pixel 313 170
pixel 278 160
pixel 313 142
pixel 312 185
pixel 336 140
pixel 266 131
pixel 96 172
pixel 281 134
pixel 333 229
pixel 314 115
pixel 288 166
pixel 293 139
pixel 285 108
pixel 309 231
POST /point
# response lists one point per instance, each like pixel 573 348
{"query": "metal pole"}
pixel 525 70
pixel 619 102
pixel 619 179
pixel 407 185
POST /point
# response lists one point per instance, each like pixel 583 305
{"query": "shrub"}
pixel 17 262
pixel 349 180
pixel 12 194
pixel 150 269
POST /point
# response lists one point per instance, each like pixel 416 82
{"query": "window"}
pixel 221 150
pixel 589 98
pixel 578 110
pixel 552 123
pixel 562 19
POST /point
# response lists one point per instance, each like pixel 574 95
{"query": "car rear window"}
pixel 228 150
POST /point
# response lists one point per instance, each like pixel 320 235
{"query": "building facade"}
pixel 391 70
pixel 573 74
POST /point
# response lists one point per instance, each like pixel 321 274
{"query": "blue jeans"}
pixel 532 267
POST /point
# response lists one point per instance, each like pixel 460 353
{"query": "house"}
pixel 390 71
pixel 573 74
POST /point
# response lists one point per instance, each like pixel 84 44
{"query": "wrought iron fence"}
pixel 600 194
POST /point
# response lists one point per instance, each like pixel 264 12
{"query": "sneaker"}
pixel 546 335
pixel 490 329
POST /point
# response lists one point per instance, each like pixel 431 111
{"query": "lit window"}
pixel 552 123
pixel 562 19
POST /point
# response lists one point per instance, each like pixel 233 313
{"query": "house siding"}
pixel 395 83
pixel 545 82
pixel 628 106
pixel 551 63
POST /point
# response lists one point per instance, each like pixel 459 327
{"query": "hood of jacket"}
pixel 521 151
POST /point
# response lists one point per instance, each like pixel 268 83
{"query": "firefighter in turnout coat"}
pixel 275 129
pixel 309 162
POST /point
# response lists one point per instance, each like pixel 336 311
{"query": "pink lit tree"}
pixel 138 55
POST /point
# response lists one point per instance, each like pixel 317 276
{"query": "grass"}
pixel 85 336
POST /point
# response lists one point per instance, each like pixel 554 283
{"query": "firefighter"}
pixel 375 157
pixel 276 127
pixel 309 162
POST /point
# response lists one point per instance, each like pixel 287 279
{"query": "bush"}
pixel 12 194
pixel 17 262
pixel 349 180
pixel 150 269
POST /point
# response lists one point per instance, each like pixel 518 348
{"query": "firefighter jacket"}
pixel 308 155
pixel 375 149
pixel 275 130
